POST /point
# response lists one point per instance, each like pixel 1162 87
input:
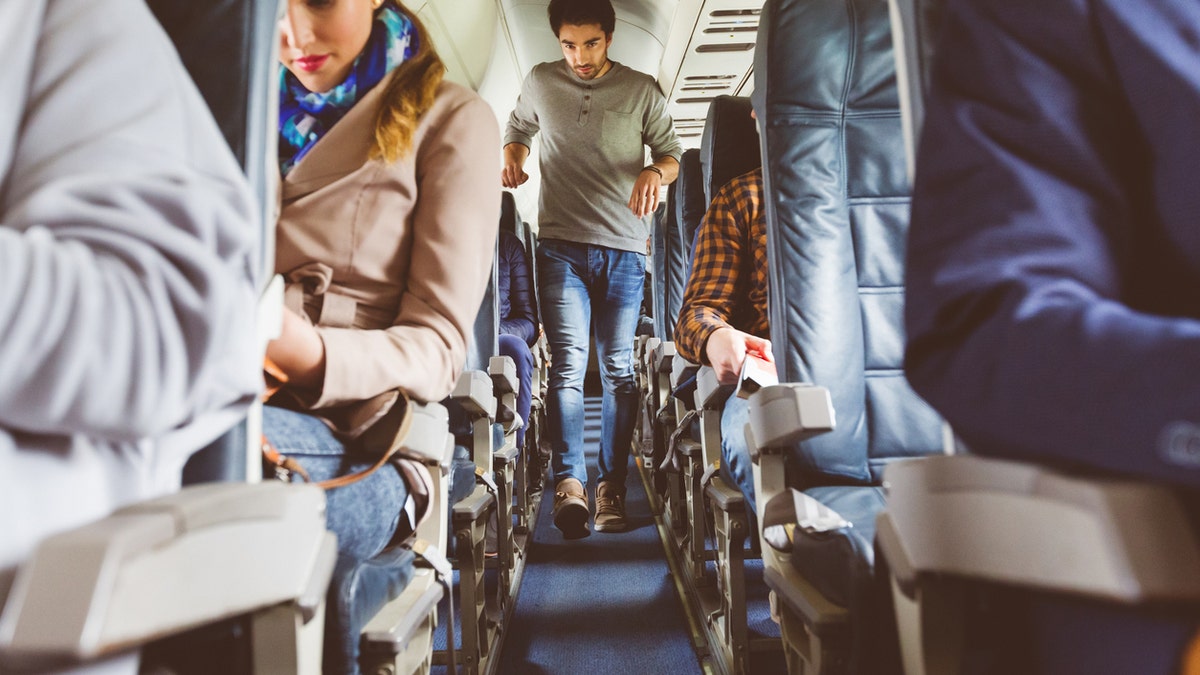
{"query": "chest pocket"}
pixel 620 128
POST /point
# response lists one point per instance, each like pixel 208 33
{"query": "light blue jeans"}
pixel 363 515
pixel 590 290
pixel 736 467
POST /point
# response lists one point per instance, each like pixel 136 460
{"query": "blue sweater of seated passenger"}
pixel 517 315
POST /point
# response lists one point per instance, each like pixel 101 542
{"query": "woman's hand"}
pixel 727 347
pixel 299 351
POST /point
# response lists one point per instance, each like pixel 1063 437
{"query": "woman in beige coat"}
pixel 385 239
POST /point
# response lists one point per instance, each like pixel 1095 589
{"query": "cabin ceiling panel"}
pixel 464 46
pixel 711 53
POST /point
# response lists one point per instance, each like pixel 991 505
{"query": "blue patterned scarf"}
pixel 304 116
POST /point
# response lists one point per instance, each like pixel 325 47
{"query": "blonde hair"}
pixel 409 94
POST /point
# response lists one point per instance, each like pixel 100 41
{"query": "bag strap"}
pixel 444 572
pixel 401 434
pixel 275 379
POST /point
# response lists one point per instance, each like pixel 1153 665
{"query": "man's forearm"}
pixel 668 166
pixel 517 153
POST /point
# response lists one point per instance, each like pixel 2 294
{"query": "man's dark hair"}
pixel 582 13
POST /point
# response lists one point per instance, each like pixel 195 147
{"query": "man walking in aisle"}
pixel 596 118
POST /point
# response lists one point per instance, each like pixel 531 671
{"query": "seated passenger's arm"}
pixel 454 239
pixel 1033 197
pixel 521 320
pixel 717 284
pixel 127 237
pixel 298 351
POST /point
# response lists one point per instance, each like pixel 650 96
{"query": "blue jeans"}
pixel 514 347
pixel 590 290
pixel 364 515
pixel 736 467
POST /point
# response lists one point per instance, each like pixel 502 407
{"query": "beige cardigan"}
pixel 391 261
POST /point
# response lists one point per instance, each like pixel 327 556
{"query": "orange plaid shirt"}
pixel 728 281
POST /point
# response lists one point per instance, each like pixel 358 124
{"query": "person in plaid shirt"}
pixel 724 313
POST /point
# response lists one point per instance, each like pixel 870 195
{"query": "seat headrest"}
pixel 686 195
pixel 244 34
pixel 729 146
pixel 510 218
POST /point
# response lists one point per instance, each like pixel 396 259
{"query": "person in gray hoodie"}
pixel 128 241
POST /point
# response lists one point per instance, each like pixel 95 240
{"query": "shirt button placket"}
pixel 586 106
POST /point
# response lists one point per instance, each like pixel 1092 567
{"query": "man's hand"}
pixel 298 351
pixel 645 193
pixel 727 347
pixel 513 174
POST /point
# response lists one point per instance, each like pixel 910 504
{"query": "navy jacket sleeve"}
pixel 518 317
pixel 1054 252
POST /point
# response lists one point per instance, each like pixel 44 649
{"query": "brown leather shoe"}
pixel 610 508
pixel 571 509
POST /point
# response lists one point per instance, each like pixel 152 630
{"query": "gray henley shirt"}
pixel 592 149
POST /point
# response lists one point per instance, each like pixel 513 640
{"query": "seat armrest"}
pixel 427 438
pixel 473 391
pixel 156 568
pixel 503 372
pixel 1024 524
pixel 647 345
pixel 471 508
pixel 710 393
pixel 782 414
pixel 663 356
pixel 681 369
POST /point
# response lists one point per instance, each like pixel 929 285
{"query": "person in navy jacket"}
pixel 518 320
pixel 1053 307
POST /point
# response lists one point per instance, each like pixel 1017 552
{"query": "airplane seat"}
pixel 233 89
pixel 163 567
pixel 729 144
pixel 685 210
pixel 238 96
pixel 529 467
pixel 837 203
pixel 672 384
pixel 648 340
pixel 660 313
pixel 1100 575
pixel 482 393
pixel 729 148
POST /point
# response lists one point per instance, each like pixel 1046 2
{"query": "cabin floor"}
pixel 607 603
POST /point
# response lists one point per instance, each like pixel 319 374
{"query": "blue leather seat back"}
pixel 685 210
pixel 530 241
pixel 510 218
pixel 729 146
pixel 484 342
pixel 689 203
pixel 837 213
pixel 664 319
pixel 238 88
